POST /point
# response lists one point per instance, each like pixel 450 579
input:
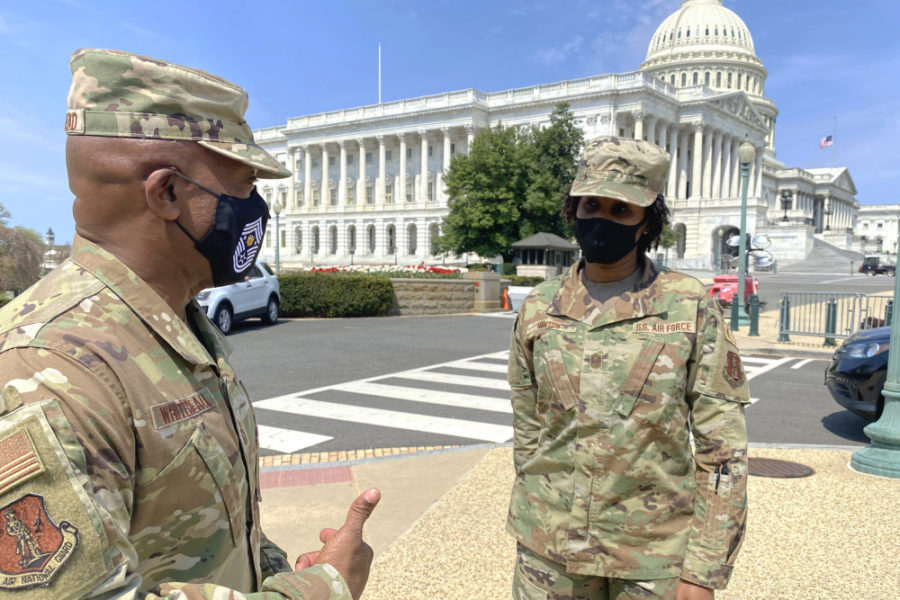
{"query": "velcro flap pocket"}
pixel 637 376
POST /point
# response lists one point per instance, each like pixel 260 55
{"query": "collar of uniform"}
pixel 573 301
pixel 141 298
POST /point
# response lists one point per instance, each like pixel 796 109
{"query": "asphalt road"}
pixel 385 382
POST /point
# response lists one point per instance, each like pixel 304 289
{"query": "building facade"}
pixel 367 182
pixel 877 226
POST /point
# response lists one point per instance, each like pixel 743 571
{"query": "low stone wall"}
pixel 433 296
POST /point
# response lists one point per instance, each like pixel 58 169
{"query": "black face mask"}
pixel 604 241
pixel 233 242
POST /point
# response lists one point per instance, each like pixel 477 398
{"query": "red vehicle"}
pixel 725 288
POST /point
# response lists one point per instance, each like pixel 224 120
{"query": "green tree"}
pixel 21 252
pixel 510 186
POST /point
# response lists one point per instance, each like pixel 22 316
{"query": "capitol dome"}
pixel 704 43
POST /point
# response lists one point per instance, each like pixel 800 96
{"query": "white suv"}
pixel 257 296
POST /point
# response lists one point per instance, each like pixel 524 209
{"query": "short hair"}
pixel 656 216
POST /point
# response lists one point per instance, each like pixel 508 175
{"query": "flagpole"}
pixel 833 134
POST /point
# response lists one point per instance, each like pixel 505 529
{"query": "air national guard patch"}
pixel 248 246
pixel 32 546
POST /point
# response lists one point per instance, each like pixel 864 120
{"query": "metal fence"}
pixel 831 314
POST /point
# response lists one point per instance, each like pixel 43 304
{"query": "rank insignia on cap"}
pixel 32 547
pixel 19 460
pixel 733 370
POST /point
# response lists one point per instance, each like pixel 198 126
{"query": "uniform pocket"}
pixel 718 508
pixel 189 498
pixel 644 360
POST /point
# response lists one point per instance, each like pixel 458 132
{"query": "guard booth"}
pixel 544 255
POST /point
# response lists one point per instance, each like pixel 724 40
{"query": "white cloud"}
pixel 552 56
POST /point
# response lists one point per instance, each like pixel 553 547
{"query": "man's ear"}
pixel 159 189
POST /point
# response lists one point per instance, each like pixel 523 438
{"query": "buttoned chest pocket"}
pixel 197 496
pixel 557 356
pixel 652 391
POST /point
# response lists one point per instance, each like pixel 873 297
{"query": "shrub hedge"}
pixel 334 295
pixel 523 280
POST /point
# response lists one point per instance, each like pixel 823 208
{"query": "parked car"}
pixel 257 296
pixel 858 371
pixel 725 288
pixel 873 266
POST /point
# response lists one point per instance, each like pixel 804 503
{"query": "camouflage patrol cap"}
pixel 633 171
pixel 118 94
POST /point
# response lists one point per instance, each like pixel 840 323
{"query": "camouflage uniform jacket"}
pixel 604 399
pixel 128 450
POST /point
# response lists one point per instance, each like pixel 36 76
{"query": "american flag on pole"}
pixel 826 141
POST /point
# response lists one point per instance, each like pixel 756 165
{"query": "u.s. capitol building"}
pixel 367 184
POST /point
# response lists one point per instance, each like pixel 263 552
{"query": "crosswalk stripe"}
pixel 482 382
pixel 771 364
pixel 388 418
pixel 427 396
pixel 477 366
pixel 288 441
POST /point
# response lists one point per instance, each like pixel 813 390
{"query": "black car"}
pixel 856 375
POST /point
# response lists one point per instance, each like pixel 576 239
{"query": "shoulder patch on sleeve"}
pixel 52 540
pixel 19 460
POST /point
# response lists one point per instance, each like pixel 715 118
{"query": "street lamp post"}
pixel 746 153
pixel 276 208
pixel 786 197
pixel 882 455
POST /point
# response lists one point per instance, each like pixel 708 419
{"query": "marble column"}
pixel 672 186
pixel 757 173
pixel 445 156
pixel 638 125
pixel 400 195
pixel 323 193
pixel 342 182
pixel 697 160
pixel 361 174
pixel 307 176
pixel 661 135
pixel 726 166
pixel 291 204
pixel 380 188
pixel 717 166
pixel 735 169
pixel 470 137
pixel 423 166
pixel 707 165
pixel 684 139
pixel 652 123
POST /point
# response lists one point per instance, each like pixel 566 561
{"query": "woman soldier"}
pixel 613 366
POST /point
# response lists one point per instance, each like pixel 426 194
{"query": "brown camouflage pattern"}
pixel 604 398
pixel 633 171
pixel 119 94
pixel 149 440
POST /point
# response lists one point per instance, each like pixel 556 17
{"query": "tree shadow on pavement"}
pixel 847 425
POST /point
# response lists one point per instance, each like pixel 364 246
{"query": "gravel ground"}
pixel 832 536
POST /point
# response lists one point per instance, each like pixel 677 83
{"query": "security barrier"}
pixel 830 314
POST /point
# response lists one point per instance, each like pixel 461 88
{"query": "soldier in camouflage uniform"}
pixel 128 447
pixel 612 366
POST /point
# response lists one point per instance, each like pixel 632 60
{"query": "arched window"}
pixel 679 34
pixel 672 79
pixel 332 239
pixel 707 30
pixel 729 80
pixel 683 79
pixel 351 239
pixel 740 76
pixel 696 78
pixel 706 78
pixel 433 233
pixel 315 239
pixel 688 33
pixel 392 239
pixel 717 30
pixel 370 233
pixel 719 79
pixel 298 239
pixel 411 235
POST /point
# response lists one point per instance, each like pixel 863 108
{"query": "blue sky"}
pixel 825 58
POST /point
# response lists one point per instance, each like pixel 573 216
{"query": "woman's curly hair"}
pixel 656 216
